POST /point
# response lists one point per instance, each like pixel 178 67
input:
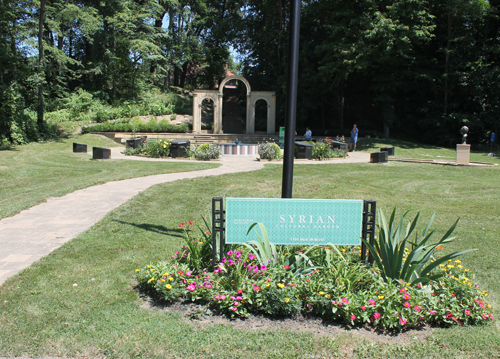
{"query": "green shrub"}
pixel 269 151
pixel 157 148
pixel 207 152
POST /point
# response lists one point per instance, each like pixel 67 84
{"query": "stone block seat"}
pixel 101 153
pixel 390 150
pixel 79 147
pixel 379 157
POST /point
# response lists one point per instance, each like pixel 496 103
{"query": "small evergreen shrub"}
pixel 207 152
pixel 269 151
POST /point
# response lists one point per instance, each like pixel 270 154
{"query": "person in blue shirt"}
pixel 308 134
pixel 354 138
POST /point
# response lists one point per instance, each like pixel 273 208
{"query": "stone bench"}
pixel 390 150
pixel 379 157
pixel 101 153
pixel 79 147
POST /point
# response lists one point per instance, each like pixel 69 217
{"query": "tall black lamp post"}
pixel 291 99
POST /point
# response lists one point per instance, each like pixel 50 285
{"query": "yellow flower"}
pixel 137 270
pixel 287 300
pixel 321 293
pixel 201 242
pixel 152 270
pixel 466 270
pixel 380 297
pixel 327 296
pixel 408 284
pixel 162 280
pixel 170 279
pixel 165 274
pixel 168 286
pixel 450 266
pixel 460 266
pixel 148 266
pixel 268 284
pixel 458 261
pixel 280 285
pixel 152 279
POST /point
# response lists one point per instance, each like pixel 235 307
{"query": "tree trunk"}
pixel 183 74
pixel 342 107
pixel 446 66
pixel 386 130
pixel 40 66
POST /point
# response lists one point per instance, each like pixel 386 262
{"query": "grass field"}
pixel 42 312
pixel 29 174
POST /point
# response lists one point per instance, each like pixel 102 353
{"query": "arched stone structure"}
pixel 217 97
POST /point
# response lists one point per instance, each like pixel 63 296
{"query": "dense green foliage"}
pixel 407 68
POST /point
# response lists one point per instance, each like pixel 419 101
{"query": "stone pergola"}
pixel 217 97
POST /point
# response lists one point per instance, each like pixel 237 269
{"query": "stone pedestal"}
pixel 463 154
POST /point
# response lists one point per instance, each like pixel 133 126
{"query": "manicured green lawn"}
pixel 29 174
pixel 42 312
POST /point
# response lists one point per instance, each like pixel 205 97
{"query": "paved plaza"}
pixel 37 231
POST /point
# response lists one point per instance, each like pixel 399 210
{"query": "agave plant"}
pixel 398 263
pixel 263 249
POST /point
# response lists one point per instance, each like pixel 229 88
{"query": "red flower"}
pixel 182 224
pixel 190 223
pixel 286 267
pixel 180 272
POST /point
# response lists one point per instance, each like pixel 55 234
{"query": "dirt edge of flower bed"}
pixel 200 317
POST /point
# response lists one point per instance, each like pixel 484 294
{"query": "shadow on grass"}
pixel 8 148
pixel 365 144
pixel 155 228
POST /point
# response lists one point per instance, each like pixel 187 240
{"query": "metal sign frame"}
pixel 218 228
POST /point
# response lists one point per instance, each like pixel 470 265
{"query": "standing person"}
pixel 308 134
pixel 354 138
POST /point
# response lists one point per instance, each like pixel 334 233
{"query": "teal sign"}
pixel 295 221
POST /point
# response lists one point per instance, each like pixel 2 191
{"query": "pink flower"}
pixel 180 272
pixel 234 309
pixel 406 305
pixel 190 222
pixel 376 315
pixel 402 290
pixel 240 291
pixel 251 256
pixel 188 273
pixel 345 300
pixel 484 316
pixel 256 288
pixel 286 267
pixel 263 267
pixel 353 317
pixel 207 232
pixel 363 307
pixel 417 308
pixel 371 302
pixel 431 312
pixel 406 296
pixel 239 297
pixel 182 224
pixel 454 318
pixel 236 303
pixel 402 321
pixel 238 254
pixel 230 253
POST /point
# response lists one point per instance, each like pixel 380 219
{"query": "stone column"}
pixel 218 115
pixel 196 114
pixel 250 127
pixel 463 154
pixel 271 116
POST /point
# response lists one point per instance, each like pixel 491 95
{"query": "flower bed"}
pixel 326 281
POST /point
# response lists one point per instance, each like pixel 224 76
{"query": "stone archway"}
pixel 217 97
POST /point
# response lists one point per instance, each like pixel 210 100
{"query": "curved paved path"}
pixel 35 232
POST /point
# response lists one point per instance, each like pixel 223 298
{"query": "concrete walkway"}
pixel 35 232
